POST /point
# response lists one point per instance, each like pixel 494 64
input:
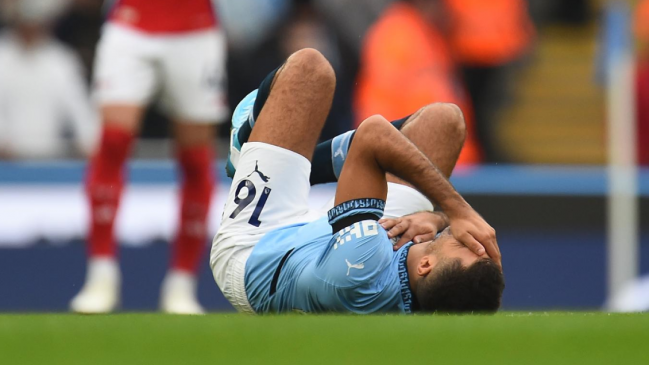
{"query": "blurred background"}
pixel 555 93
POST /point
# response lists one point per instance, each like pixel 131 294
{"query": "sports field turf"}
pixel 507 338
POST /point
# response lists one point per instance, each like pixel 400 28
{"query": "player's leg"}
pixel 124 82
pixel 437 129
pixel 329 156
pixel 105 179
pixel 271 185
pixel 379 148
pixel 194 154
pixel 288 114
pixel 247 112
pixel 104 184
pixel 193 75
pixel 299 102
pixel 290 111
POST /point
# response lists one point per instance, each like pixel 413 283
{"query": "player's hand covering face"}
pixel 468 227
pixel 447 248
pixel 418 227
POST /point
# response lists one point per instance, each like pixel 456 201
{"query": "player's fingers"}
pixel 469 241
pixel 405 238
pixel 398 229
pixel 488 240
pixel 424 237
pixel 497 250
pixel 388 223
pixel 493 252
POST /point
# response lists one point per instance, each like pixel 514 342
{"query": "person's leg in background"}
pixel 194 94
pixel 195 154
pixel 104 184
pixel 125 81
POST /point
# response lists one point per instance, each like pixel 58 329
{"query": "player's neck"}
pixel 415 254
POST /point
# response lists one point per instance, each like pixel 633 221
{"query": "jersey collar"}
pixel 409 302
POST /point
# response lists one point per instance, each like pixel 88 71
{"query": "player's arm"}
pixel 378 148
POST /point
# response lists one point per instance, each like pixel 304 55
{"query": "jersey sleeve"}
pixel 355 210
pixel 359 250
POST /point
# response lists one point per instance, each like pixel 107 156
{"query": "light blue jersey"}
pixel 306 268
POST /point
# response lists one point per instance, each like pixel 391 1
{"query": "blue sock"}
pixel 329 156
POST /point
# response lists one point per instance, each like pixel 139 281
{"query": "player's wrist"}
pixel 455 207
pixel 439 220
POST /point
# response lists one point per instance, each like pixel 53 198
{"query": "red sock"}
pixel 198 182
pixel 104 183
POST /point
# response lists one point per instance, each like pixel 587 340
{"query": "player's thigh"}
pixel 299 102
pixel 270 189
pixel 127 117
pixel 189 134
pixel 124 73
pixel 194 77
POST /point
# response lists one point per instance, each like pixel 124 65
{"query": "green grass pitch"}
pixel 506 338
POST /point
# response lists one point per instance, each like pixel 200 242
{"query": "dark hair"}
pixel 457 289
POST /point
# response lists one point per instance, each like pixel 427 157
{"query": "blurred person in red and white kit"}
pixel 43 94
pixel 173 49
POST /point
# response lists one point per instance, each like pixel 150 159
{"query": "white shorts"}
pixel 271 190
pixel 187 71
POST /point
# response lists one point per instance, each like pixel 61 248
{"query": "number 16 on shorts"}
pixel 242 203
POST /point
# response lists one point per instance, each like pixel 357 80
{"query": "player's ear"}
pixel 426 264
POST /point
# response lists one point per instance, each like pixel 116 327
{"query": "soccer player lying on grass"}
pixel 272 254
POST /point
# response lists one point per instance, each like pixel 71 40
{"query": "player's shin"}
pixel 178 294
pixel 104 185
pixel 197 187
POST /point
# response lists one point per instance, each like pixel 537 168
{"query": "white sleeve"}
pixel 78 108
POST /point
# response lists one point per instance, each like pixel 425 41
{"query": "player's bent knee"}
pixel 371 129
pixel 312 64
pixel 124 117
pixel 446 118
pixel 372 124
